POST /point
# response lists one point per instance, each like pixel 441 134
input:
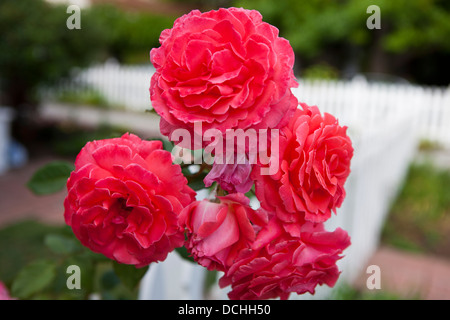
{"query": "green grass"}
pixel 88 97
pixel 346 292
pixel 419 219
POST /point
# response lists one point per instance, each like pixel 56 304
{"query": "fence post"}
pixel 6 116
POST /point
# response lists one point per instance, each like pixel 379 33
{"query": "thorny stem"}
pixel 220 191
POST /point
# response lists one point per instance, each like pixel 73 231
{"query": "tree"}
pixel 130 34
pixel 37 48
pixel 412 33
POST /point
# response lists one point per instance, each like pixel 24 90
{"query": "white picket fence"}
pixel 123 87
pixel 357 102
pixel 385 121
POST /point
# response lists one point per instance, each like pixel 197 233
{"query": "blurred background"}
pixel 61 87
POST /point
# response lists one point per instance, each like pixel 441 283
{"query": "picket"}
pixel 6 116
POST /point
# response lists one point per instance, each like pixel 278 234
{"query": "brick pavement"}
pixel 410 275
pixel 17 202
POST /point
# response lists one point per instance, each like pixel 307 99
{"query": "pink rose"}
pixel 217 232
pixel 232 177
pixel 224 69
pixel 279 264
pixel 4 293
pixel 124 198
pixel 314 159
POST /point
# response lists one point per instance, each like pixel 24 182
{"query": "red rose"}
pixel 124 198
pixel 217 232
pixel 225 69
pixel 314 160
pixel 279 264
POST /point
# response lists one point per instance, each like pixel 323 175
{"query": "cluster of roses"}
pixel 225 69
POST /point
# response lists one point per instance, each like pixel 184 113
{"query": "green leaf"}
pixel 61 244
pixel 96 257
pixel 129 274
pixel 87 275
pixel 183 253
pixel 251 193
pixel 33 278
pixel 151 110
pixel 196 185
pixel 196 181
pixel 50 178
pixel 210 279
pixel 167 145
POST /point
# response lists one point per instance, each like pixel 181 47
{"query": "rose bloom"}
pixel 232 177
pixel 217 232
pixel 279 264
pixel 224 69
pixel 314 158
pixel 124 198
